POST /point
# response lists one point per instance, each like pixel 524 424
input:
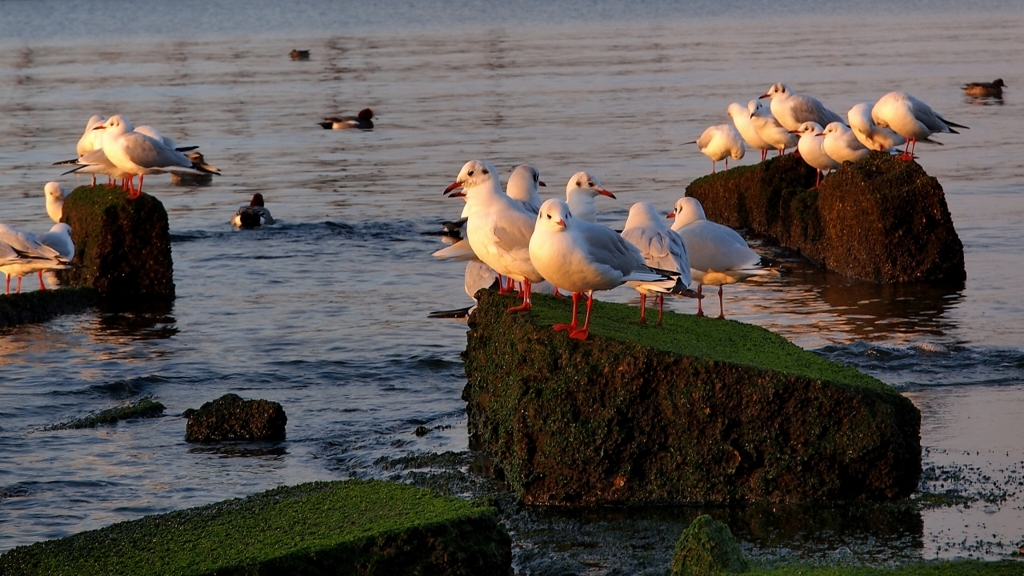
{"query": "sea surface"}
pixel 326 312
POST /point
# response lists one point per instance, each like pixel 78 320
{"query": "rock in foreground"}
pixel 881 219
pixel 697 411
pixel 329 528
pixel 122 247
pixel 232 418
pixel 708 547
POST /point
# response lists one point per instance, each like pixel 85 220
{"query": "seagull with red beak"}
pixel 581 193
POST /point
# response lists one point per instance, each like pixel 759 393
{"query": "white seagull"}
pixel 871 135
pixel 58 238
pixel 769 129
pixel 910 118
pixel 522 187
pixel 32 256
pixel 841 144
pixel 580 194
pixel 721 141
pixel 812 150
pixel 662 249
pixel 718 254
pixel 580 256
pixel 792 110
pixel 55 195
pixel 91 140
pixel 741 118
pixel 498 227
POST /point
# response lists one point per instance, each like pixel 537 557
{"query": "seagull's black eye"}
pixel 591 184
pixel 549 216
pixel 578 184
pixel 485 171
pixel 470 172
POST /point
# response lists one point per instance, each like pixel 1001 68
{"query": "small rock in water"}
pixel 421 431
pixel 707 546
pixel 232 418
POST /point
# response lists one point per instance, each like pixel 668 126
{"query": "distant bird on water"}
pixel 299 54
pixel 253 215
pixel 362 121
pixel 198 162
pixel 992 89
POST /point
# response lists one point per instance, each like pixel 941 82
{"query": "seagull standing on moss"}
pixel 811 147
pixel 910 118
pixel 662 249
pixel 719 142
pixel 841 145
pixel 25 254
pixel 55 195
pixel 792 110
pixel 741 118
pixel 769 129
pixel 498 227
pixel 871 135
pixel 718 254
pixel 579 256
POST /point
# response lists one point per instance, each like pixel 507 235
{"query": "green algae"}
pixel 350 527
pixel 42 305
pixel 144 407
pixel 937 568
pixel 707 547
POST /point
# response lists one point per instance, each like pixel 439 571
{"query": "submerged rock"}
pixel 42 305
pixel 708 547
pixel 122 247
pixel 697 411
pixel 232 418
pixel 880 219
pixel 144 407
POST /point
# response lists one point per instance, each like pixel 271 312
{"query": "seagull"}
pixel 718 254
pixel 91 140
pixel 32 256
pixel 137 153
pixel 198 162
pixel 662 249
pixel 812 151
pixel 721 141
pixel 841 145
pixel 478 277
pixel 498 227
pixel 55 195
pixel 769 129
pixel 581 256
pixel 580 194
pixel 910 118
pixel 363 121
pixel 741 119
pixel 871 135
pixel 58 238
pixel 253 215
pixel 792 110
pixel 522 187
pixel 96 162
pixel 992 89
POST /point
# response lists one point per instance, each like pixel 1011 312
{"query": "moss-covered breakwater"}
pixel 122 247
pixel 40 306
pixel 697 411
pixel 880 219
pixel 349 528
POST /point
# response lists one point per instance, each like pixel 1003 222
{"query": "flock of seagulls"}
pixel 23 253
pixel 508 237
pixel 823 138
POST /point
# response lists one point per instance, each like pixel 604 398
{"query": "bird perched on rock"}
pixel 23 254
pixel 871 135
pixel 910 118
pixel 811 147
pixel 362 121
pixel 253 215
pixel 55 195
pixel 662 249
pixel 58 238
pixel 841 144
pixel 522 187
pixel 769 129
pixel 580 256
pixel 721 141
pixel 741 118
pixel 718 254
pixel 792 110
pixel 992 89
pixel 581 192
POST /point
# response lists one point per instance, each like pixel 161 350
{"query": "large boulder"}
pixel 699 410
pixel 880 219
pixel 232 418
pixel 122 246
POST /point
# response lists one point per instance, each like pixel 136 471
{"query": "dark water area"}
pixel 326 311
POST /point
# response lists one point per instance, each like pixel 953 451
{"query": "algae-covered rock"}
pixel 323 528
pixel 42 305
pixel 122 247
pixel 232 418
pixel 699 410
pixel 144 407
pixel 707 547
pixel 880 219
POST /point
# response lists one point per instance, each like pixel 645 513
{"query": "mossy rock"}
pixel 144 407
pixel 122 246
pixel 42 305
pixel 699 410
pixel 708 547
pixel 322 528
pixel 232 418
pixel 880 219
pixel 932 568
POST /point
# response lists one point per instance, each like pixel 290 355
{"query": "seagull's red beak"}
pixel 820 134
pixel 763 96
pixel 453 186
pixel 671 214
pixel 561 223
pixel 605 192
pixel 100 127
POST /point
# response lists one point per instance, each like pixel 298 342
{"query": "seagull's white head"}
pixel 587 184
pixel 686 210
pixel 642 214
pixel 757 109
pixel 834 128
pixel 54 191
pixel 554 215
pixel 777 89
pixel 808 127
pixel 61 228
pixel 473 174
pixel 116 124
pixel 523 179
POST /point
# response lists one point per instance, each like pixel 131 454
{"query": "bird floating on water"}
pixel 362 121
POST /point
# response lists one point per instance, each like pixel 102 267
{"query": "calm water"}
pixel 326 312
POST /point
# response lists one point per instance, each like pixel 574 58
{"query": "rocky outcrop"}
pixel 880 219
pixel 122 247
pixel 42 305
pixel 330 528
pixel 699 410
pixel 232 418
pixel 707 547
